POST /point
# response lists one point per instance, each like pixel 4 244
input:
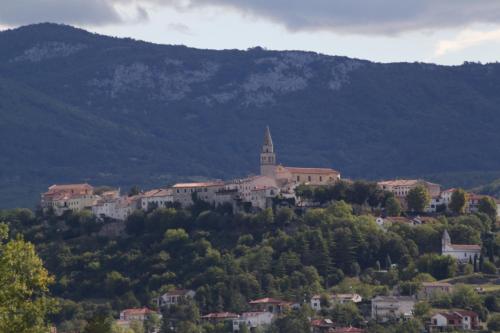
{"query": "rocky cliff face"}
pixel 78 106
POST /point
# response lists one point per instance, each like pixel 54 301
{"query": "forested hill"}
pixel 76 106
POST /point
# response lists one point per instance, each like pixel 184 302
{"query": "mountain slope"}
pixel 143 113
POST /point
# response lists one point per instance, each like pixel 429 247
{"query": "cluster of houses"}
pixel 264 311
pixel 254 192
pixel 440 199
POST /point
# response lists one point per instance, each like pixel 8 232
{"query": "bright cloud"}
pixel 466 39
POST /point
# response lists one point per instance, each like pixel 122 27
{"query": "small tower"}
pixel 267 156
pixel 445 242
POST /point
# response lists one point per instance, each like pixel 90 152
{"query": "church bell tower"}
pixel 267 156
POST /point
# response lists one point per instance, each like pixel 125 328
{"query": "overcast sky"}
pixel 440 31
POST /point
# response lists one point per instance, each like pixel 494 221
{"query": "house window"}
pixel 320 178
pixel 298 178
pixel 309 178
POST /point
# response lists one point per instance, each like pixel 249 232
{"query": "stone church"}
pixel 312 176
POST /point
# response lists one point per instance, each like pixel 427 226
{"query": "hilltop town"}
pixel 256 192
pixel 395 207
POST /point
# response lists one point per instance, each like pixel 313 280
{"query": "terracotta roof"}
pixel 337 296
pixel 253 313
pixel 268 300
pixel 220 315
pixel 457 315
pixel 466 247
pixel 319 171
pixel 69 187
pixel 466 313
pixel 156 193
pixel 137 311
pixel 201 184
pixel 393 298
pixel 322 323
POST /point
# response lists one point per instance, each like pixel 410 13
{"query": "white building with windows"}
pixel 462 252
pixel 385 308
pixel 206 191
pixel 157 198
pixel 173 297
pixel 335 299
pixel 253 320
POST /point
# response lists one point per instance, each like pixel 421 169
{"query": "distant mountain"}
pixel 76 106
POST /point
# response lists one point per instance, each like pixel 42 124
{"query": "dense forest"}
pixel 102 267
pixel 77 106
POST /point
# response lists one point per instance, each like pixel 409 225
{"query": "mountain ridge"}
pixel 164 112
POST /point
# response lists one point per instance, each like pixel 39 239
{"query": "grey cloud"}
pixel 180 27
pixel 363 16
pixel 95 12
pixel 343 16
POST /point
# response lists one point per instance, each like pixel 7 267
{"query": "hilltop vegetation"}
pixel 77 106
pixel 232 258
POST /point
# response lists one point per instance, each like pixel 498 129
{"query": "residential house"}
pixel 69 197
pixel 401 187
pixel 136 314
pixel 216 317
pixel 432 289
pixel 130 315
pixel 385 308
pixel 262 197
pixel 322 325
pixel 446 196
pixel 335 299
pixel 454 320
pixel 206 191
pixel 462 252
pixel 157 198
pixel 253 320
pixel 268 304
pixel 173 297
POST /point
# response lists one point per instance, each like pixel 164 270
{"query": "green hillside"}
pixel 79 106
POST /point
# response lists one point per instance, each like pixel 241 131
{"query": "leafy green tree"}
pixel 494 323
pixel 458 201
pixel 152 323
pixel 488 206
pixel 418 198
pixel 439 266
pixel 24 300
pixel 99 324
pixel 489 267
pixel 346 314
pixel 422 310
pixel 292 322
pixel 392 206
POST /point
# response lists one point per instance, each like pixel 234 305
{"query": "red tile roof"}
pixel 220 315
pixel 319 171
pixel 268 300
pixel 156 193
pixel 466 247
pixel 201 184
pixel 137 311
